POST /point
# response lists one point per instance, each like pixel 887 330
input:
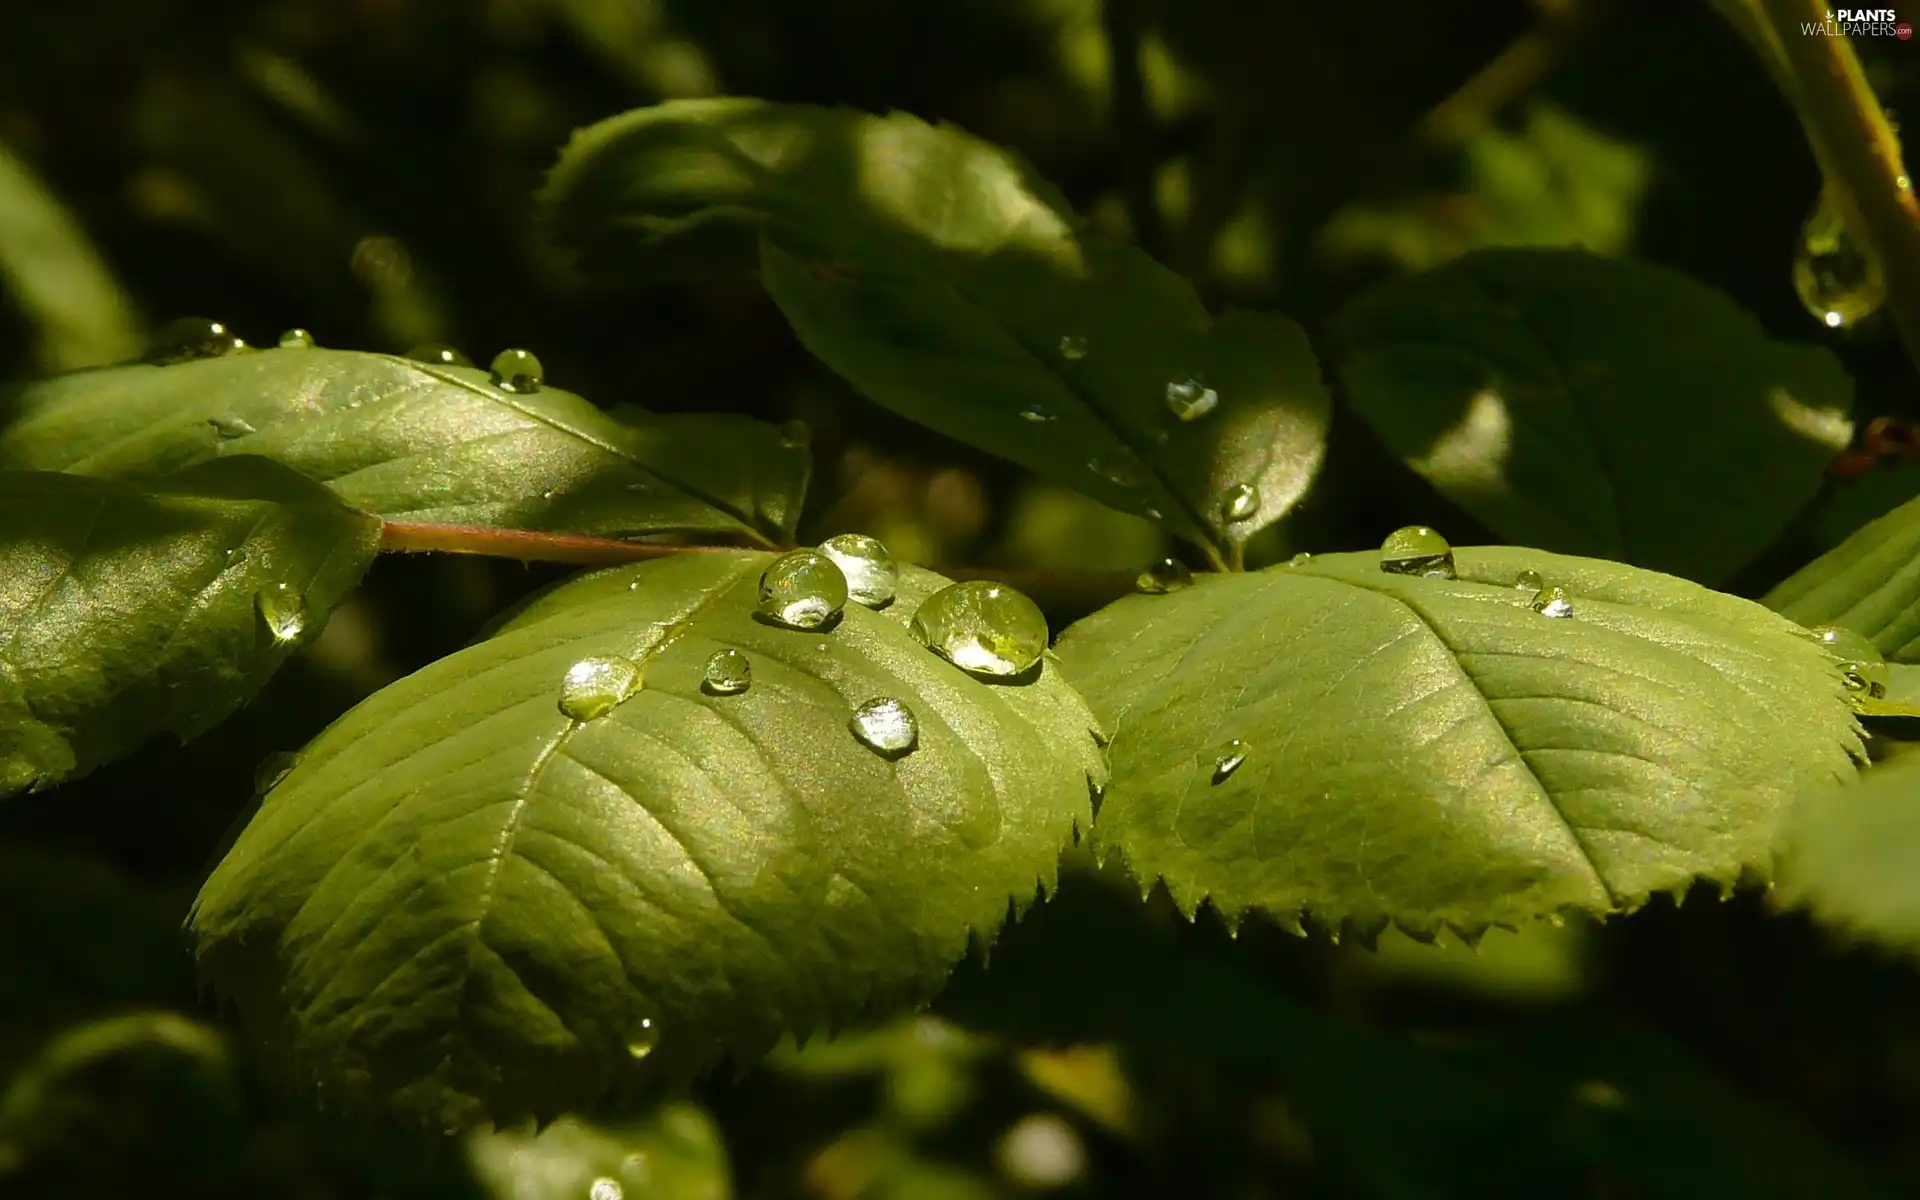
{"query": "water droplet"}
pixel 795 435
pixel 886 727
pixel 1552 602
pixel 297 339
pixel 283 609
pixel 439 354
pixel 1239 502
pixel 272 769
pixel 1166 575
pixel 872 575
pixel 606 1187
pixel 1860 660
pixel 1839 281
pixel 1189 399
pixel 986 628
pixel 803 590
pixel 1529 581
pixel 1039 414
pixel 593 686
pixel 517 371
pixel 1301 559
pixel 1073 347
pixel 231 425
pixel 1229 759
pixel 729 673
pixel 644 1039
pixel 1118 466
pixel 1417 550
pixel 191 338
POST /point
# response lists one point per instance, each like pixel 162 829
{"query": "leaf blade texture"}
pixel 1870 583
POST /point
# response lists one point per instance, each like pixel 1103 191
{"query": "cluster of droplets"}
pixel 1861 664
pixel 1839 281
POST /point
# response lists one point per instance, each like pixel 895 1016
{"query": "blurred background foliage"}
pixel 365 168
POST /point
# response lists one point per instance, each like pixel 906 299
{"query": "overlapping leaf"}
pixel 420 442
pixel 1851 855
pixel 1869 583
pixel 946 282
pixel 129 610
pixel 462 902
pixel 1596 406
pixel 1432 751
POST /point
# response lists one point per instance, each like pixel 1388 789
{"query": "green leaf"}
pixel 419 442
pixel 946 282
pixel 1869 583
pixel 462 903
pixel 1430 751
pixel 1596 406
pixel 126 611
pixel 56 277
pixel 673 1153
pixel 1851 856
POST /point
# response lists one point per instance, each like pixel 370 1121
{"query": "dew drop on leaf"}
pixel 517 371
pixel 987 628
pixel 1552 602
pixel 439 354
pixel 644 1039
pixel 1189 399
pixel 1229 759
pixel 191 338
pixel 232 425
pixel 1839 280
pixel 1072 347
pixel 283 609
pixel 1301 559
pixel 297 339
pixel 1165 575
pixel 1119 466
pixel 872 575
pixel 1039 414
pixel 728 673
pixel 606 1187
pixel 1860 660
pixel 886 727
pixel 1239 502
pixel 1417 550
pixel 1529 581
pixel 802 590
pixel 795 435
pixel 593 686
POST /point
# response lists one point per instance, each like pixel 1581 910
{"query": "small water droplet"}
pixel 1229 759
pixel 1165 575
pixel 1861 662
pixel 272 769
pixel 606 1187
pixel 191 338
pixel 1301 559
pixel 803 590
pixel 517 371
pixel 729 672
pixel 1839 281
pixel 644 1039
pixel 297 339
pixel 886 727
pixel 1552 602
pixel 1529 581
pixel 232 425
pixel 282 608
pixel 1239 502
pixel 439 354
pixel 1189 399
pixel 594 686
pixel 796 435
pixel 1119 466
pixel 1073 347
pixel 986 628
pixel 1039 414
pixel 872 575
pixel 1153 514
pixel 1417 550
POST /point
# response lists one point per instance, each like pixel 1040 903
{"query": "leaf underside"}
pixel 465 905
pixel 1435 752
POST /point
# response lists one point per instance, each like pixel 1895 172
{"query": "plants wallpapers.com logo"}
pixel 1858 22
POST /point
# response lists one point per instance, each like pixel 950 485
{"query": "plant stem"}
pixel 1857 150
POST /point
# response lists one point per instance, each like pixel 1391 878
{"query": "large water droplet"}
pixel 606 1187
pixel 1839 280
pixel 517 371
pixel 1189 399
pixel 1529 581
pixel 232 425
pixel 986 628
pixel 283 609
pixel 796 435
pixel 1166 575
pixel 872 575
pixel 886 727
pixel 1229 759
pixel 644 1038
pixel 1073 347
pixel 803 590
pixel 1118 466
pixel 1239 502
pixel 191 338
pixel 297 339
pixel 1861 663
pixel 1552 602
pixel 594 686
pixel 439 354
pixel 728 673
pixel 1037 413
pixel 1417 550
